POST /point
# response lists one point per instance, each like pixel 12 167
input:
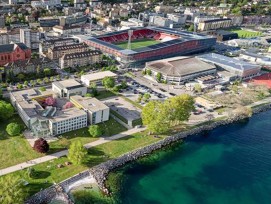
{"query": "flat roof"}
pixel 97 76
pixel 179 66
pixel 222 60
pixel 89 103
pixel 69 83
pixel 65 114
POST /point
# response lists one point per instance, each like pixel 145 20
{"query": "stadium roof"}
pixel 183 36
pixel 222 60
pixel 179 66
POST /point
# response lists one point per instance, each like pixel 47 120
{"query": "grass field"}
pixel 14 149
pixel 48 173
pixel 245 33
pixel 138 43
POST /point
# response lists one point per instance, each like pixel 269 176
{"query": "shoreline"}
pixel 101 171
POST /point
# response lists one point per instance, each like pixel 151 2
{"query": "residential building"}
pixel 68 88
pixel 13 52
pixel 79 4
pixel 214 24
pixel 45 3
pixel 30 38
pixel 80 58
pixel 29 66
pixel 4 38
pixel 180 69
pixel 97 111
pixel 44 45
pixel 66 30
pixel 96 77
pixel 57 52
pixel 164 9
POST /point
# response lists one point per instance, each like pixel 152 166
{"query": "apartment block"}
pixel 57 52
pixel 80 58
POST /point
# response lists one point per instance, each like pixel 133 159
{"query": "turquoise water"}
pixel 229 165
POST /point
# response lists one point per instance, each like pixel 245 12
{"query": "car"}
pixel 172 94
pixel 135 92
pixel 162 90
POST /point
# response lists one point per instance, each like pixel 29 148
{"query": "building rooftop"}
pixel 11 47
pixel 67 84
pixel 179 66
pixel 64 114
pixel 68 47
pixel 97 76
pixel 91 104
pixel 222 60
pixel 81 54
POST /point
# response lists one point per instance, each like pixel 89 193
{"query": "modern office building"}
pixel 68 88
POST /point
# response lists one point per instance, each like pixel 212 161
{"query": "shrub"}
pixel 41 145
pixel 13 129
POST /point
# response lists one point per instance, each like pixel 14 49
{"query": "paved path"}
pixel 65 152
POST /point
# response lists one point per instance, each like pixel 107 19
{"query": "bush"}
pixel 95 131
pixel 13 129
pixel 42 88
pixel 41 145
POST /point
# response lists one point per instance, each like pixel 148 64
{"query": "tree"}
pixel 19 86
pixel 13 129
pixel 20 76
pixel 124 84
pixel 154 117
pixel 144 72
pixel 30 172
pixel 46 80
pixel 191 28
pixel 197 88
pixel 42 88
pixel 159 76
pixel 146 97
pixel 88 95
pixel 108 82
pixel 140 96
pixel 77 152
pixel 41 145
pixel 11 190
pixel 26 83
pixel 148 72
pixel 95 131
pixel 47 71
pixel 6 110
pixel 51 79
pixel 93 88
pixel 39 81
pixel 50 101
pixel 180 107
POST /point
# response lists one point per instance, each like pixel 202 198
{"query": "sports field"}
pixel 245 33
pixel 138 43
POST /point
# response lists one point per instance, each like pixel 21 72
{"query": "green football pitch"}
pixel 135 44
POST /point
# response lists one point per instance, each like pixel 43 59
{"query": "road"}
pixel 56 155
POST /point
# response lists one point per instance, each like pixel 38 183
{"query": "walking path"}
pixel 65 152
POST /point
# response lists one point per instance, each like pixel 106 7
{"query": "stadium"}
pixel 150 43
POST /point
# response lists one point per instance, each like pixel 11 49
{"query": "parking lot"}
pixel 122 107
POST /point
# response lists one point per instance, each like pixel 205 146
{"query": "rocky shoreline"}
pixel 101 171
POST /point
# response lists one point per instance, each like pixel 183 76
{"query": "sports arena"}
pixel 150 43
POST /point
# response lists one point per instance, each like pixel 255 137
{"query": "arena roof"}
pixel 179 66
pixel 222 60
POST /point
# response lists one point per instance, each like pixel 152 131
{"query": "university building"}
pixel 52 112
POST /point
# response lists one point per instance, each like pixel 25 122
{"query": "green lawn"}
pixel 135 44
pixel 48 173
pixel 245 33
pixel 105 94
pixel 14 149
pixel 110 127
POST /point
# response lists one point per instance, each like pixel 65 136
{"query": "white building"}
pixel 68 120
pixel 96 110
pixel 95 77
pixel 45 3
pixel 68 88
pixel 2 21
